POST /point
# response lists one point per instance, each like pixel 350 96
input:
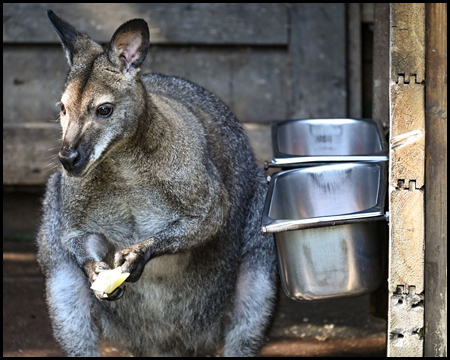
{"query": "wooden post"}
pixel 380 107
pixel 436 180
pixel 354 61
pixel 380 112
pixel 406 179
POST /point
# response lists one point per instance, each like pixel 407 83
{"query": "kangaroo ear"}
pixel 73 41
pixel 129 44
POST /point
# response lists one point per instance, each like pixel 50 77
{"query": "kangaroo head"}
pixel 104 102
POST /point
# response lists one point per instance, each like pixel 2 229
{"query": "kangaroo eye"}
pixel 105 110
pixel 63 109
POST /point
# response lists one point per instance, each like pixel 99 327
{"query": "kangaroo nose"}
pixel 69 158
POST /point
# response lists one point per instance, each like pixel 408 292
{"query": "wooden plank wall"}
pixel 406 179
pixel 266 61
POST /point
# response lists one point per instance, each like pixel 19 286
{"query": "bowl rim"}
pixel 281 159
pixel 374 213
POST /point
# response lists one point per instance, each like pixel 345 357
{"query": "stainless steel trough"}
pixel 296 142
pixel 323 218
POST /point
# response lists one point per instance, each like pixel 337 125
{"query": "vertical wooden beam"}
pixel 436 180
pixel 380 108
pixel 354 60
pixel 380 112
pixel 406 179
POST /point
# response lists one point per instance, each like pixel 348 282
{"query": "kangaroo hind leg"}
pixel 70 306
pixel 252 309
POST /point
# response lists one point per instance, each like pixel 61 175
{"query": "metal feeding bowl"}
pixel 296 142
pixel 323 218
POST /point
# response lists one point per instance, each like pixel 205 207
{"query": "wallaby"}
pixel 157 177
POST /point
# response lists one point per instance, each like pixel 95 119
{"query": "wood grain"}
pixel 436 180
pixel 406 179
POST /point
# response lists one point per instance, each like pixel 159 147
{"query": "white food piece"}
pixel 109 280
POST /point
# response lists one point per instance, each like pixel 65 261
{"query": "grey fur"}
pixel 165 186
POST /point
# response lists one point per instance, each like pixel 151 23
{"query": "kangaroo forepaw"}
pixel 92 270
pixel 132 260
pixel 115 295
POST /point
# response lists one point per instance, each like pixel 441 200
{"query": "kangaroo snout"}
pixel 70 158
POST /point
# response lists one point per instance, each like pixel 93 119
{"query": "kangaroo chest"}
pixel 125 215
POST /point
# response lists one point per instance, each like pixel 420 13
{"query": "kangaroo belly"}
pixel 167 266
pixel 164 310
